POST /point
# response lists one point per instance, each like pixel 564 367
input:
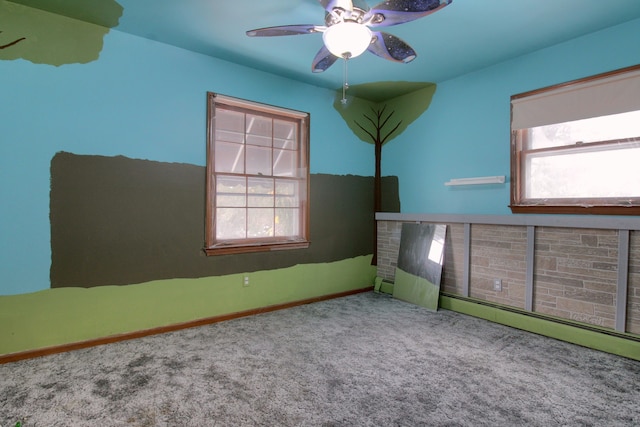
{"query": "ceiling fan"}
pixel 348 32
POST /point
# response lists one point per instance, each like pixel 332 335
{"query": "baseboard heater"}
pixel 384 287
pixel 559 320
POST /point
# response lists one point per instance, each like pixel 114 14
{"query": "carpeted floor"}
pixel 363 360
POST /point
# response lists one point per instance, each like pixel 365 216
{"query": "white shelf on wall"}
pixel 476 181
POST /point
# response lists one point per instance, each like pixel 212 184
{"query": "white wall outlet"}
pixel 497 285
pixel 245 281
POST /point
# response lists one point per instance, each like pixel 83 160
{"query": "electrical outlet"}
pixel 497 285
pixel 245 281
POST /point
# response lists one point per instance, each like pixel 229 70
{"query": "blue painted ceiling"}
pixel 465 36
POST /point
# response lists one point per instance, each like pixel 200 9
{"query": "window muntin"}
pixel 257 177
pixel 588 165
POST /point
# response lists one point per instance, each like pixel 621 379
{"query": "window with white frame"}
pixel 257 177
pixel 575 147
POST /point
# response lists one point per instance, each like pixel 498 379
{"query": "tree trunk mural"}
pixel 406 102
pixel 378 121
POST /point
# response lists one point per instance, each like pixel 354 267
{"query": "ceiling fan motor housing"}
pixel 346 33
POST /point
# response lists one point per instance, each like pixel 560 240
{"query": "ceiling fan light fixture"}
pixel 347 39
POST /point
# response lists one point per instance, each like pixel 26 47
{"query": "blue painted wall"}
pixel 142 100
pixel 146 100
pixel 465 132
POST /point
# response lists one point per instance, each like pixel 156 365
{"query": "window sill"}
pixel 575 210
pixel 241 249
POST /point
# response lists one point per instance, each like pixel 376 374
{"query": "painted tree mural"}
pixel 56 32
pixel 378 113
pixel 4 46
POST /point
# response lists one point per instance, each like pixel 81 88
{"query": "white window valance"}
pixel 602 95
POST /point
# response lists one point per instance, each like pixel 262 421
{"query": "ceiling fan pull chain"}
pixel 345 81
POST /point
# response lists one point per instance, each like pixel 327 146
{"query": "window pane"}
pixel 258 160
pixel 260 222
pixel 284 163
pixel 231 191
pixel 230 223
pixel 605 128
pixel 259 130
pixel 287 193
pixel 287 222
pixel 229 157
pixel 264 141
pixel 260 192
pixel 229 126
pixel 284 134
pixel 598 172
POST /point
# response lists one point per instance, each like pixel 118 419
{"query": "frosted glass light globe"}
pixel 347 39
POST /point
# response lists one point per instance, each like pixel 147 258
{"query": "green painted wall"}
pixel 55 317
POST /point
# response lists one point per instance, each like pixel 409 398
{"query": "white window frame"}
pixel 605 94
pixel 300 180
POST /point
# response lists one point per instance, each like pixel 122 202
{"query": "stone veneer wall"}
pixel 633 295
pixel 498 252
pixel 574 274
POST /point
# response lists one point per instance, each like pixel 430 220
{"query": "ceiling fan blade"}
pixel 390 47
pixel 286 30
pixel 329 5
pixel 323 60
pixel 361 4
pixel 394 12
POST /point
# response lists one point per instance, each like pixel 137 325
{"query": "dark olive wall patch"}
pixel 118 221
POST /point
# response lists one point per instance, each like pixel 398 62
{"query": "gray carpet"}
pixel 363 360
